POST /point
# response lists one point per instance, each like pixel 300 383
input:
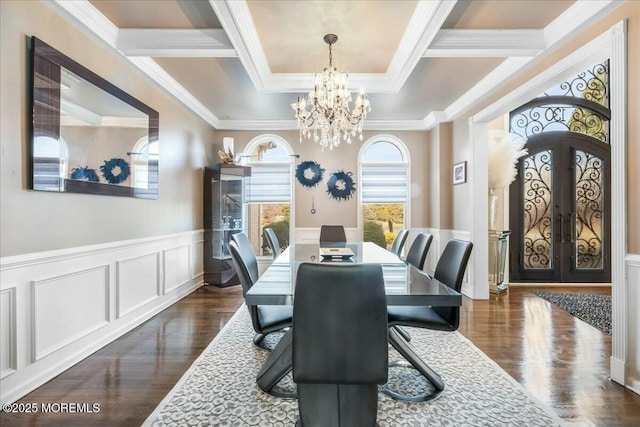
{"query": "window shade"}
pixel 384 184
pixel 269 184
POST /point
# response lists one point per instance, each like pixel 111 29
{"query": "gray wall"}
pixel 32 221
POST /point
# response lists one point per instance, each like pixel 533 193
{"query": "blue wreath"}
pixel 110 165
pixel 85 173
pixel 314 168
pixel 341 193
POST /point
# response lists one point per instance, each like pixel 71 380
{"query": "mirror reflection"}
pixel 88 135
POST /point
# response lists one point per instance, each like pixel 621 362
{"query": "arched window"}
pixel 579 105
pixel 384 188
pixel 269 191
pixel 144 159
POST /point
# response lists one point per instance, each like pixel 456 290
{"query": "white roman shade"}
pixel 384 183
pixel 269 183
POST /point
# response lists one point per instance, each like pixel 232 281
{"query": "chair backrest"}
pixel 450 271
pixel 340 324
pixel 247 267
pixel 332 235
pixel 272 240
pixel 243 270
pixel 399 241
pixel 418 250
pixel 340 343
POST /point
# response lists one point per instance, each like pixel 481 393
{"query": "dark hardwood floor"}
pixel 562 361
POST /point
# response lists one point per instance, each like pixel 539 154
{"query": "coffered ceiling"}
pixel 240 64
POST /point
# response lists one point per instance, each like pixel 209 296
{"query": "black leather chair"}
pixel 399 241
pixel 265 319
pixel 272 241
pixel 332 236
pixel 416 256
pixel 450 271
pixel 418 250
pixel 340 345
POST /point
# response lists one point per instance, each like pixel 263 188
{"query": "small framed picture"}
pixel 460 173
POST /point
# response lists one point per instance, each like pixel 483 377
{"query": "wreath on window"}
pixel 309 173
pixel 340 185
pixel 85 173
pixel 115 170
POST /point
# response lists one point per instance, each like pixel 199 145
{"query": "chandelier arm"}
pixel 325 112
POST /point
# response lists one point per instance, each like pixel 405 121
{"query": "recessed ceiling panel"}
pixel 158 14
pixel 223 86
pixel 434 85
pixel 503 14
pixel 369 32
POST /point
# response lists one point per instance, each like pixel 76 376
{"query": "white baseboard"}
pixel 58 307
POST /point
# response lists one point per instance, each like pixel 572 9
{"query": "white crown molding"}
pixel 567 24
pixel 580 14
pixel 408 125
pixel 421 32
pixel 395 125
pixel 486 43
pixel 257 124
pixel 239 27
pixel 174 43
pixel 169 84
pixel 423 26
pixel 433 118
pixel 496 78
pixel 85 14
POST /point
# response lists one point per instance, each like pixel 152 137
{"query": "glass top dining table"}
pixel 404 283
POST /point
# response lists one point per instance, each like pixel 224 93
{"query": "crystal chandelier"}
pixel 325 112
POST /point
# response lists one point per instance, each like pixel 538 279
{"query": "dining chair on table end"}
pixel 450 271
pixel 337 367
pixel 399 241
pixel 332 236
pixel 264 318
pixel 272 241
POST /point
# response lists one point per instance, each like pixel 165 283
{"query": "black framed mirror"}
pixel 87 135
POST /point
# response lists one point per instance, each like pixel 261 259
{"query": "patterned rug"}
pixel 593 309
pixel 220 390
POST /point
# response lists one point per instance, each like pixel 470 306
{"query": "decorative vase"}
pixel 493 208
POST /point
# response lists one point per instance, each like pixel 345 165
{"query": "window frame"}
pixel 247 161
pixel 404 151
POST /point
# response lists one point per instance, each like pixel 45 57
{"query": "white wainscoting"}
pixel 633 322
pixel 68 307
pixel 58 307
pixel 7 331
pixel 137 282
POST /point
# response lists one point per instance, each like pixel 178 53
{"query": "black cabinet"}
pixel 225 213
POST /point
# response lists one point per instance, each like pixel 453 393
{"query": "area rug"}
pixel 220 389
pixel 592 309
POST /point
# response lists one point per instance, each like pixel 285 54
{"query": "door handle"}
pixel 558 228
pixel 568 235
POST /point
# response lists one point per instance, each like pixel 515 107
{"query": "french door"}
pixel 559 211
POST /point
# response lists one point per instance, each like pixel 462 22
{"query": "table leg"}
pixel 405 349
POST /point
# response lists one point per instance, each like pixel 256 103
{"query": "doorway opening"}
pixel 560 202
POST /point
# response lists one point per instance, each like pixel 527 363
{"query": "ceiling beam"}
pixel 486 43
pixel 175 43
